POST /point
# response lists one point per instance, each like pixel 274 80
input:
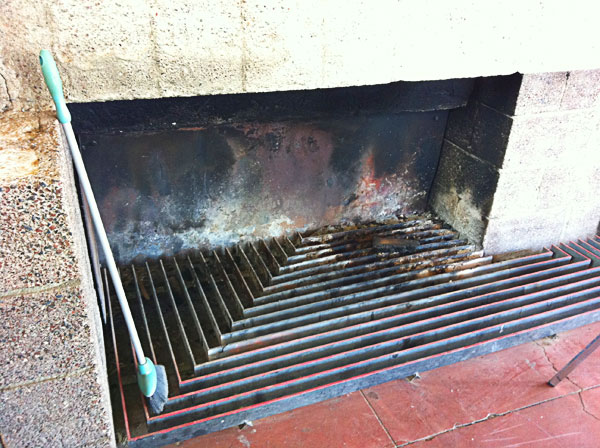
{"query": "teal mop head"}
pixel 152 381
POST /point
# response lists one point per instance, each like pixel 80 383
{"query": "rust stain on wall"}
pixel 15 163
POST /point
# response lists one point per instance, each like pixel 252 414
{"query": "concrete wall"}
pixel 549 185
pixel 53 386
pixel 520 166
pixel 155 48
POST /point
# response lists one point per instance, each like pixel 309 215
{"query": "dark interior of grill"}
pixel 278 249
pixel 177 174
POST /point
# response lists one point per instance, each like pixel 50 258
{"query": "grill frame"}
pixel 565 269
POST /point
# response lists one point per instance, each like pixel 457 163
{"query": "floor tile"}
pixel 464 392
pixel 591 401
pixel 345 421
pixel 556 424
pixel 562 348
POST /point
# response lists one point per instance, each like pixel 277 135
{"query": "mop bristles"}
pixel 156 402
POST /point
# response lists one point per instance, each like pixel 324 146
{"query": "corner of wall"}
pixel 53 385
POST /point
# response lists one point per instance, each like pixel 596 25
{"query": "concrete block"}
pixel 44 335
pixel 582 90
pixel 584 210
pixel 531 229
pixel 552 138
pixel 490 135
pixel 499 92
pixel 540 92
pixel 568 185
pixel 463 191
pixel 64 412
pixel 480 130
pixel 582 223
pixel 517 192
pixel 461 122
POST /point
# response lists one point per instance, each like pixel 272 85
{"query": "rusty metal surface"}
pixel 165 192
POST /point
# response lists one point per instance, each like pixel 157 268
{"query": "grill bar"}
pixel 251 329
pixel 378 356
pixel 366 264
pixel 206 307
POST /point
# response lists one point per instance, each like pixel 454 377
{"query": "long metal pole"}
pixel 89 227
pixel 578 359
pixel 101 233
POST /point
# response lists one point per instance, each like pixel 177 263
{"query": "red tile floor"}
pixel 497 400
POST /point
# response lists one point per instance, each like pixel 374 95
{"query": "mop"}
pixel 152 380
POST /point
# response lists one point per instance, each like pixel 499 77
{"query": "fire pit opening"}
pixel 278 249
pixel 177 174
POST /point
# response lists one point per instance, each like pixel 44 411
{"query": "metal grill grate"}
pixel 268 326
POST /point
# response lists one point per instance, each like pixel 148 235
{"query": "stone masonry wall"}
pixel 520 166
pixel 53 388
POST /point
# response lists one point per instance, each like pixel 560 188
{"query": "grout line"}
pixel 378 419
pixel 562 95
pixel 468 153
pixel 494 415
pixel 45 379
pixel 40 289
pixel 585 409
pixel 542 113
pixel 536 342
pixel 498 110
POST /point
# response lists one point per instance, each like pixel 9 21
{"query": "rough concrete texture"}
pixel 550 179
pixel 540 92
pixel 463 191
pixel 134 49
pixel 63 412
pixel 45 334
pixel 542 139
pixel 53 388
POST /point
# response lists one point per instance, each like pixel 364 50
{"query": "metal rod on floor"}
pixel 578 359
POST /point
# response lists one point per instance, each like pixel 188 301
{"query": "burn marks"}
pixel 168 191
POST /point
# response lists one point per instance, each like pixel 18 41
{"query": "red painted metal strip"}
pixel 164 431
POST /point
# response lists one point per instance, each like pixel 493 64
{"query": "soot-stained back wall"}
pixel 164 189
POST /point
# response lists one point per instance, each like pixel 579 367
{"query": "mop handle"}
pixel 54 84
